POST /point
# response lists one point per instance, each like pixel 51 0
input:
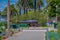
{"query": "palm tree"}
pixel 13 10
pixel 8 19
pixel 25 5
pixel 22 4
pixel 19 5
pixel 39 4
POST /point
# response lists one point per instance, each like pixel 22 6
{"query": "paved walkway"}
pixel 33 33
pixel 30 34
pixel 37 33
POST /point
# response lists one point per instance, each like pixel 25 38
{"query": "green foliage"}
pixel 53 0
pixel 3 23
pixel 31 15
pixel 0 37
pixel 58 28
pixel 3 26
pixel 40 16
pixel 59 18
pixel 42 19
pixel 53 36
pixel 53 7
pixel 13 11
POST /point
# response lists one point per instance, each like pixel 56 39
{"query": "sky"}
pixel 3 3
pixel 45 3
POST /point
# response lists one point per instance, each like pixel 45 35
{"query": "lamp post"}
pixel 47 28
pixel 47 21
pixel 8 19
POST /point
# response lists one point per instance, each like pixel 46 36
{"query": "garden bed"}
pixel 53 36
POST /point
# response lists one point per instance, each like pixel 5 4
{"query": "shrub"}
pixel 58 28
pixel 0 37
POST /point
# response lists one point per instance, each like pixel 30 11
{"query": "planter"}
pixel 4 38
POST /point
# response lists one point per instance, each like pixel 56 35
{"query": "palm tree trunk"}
pixel 34 5
pixel 24 2
pixel 24 10
pixel 25 6
pixel 39 8
pixel 20 11
pixel 8 19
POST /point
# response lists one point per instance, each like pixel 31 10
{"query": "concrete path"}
pixel 29 35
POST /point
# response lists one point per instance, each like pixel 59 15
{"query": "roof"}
pixel 29 21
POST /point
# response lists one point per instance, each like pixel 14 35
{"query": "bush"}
pixel 0 37
pixel 52 31
pixel 58 28
pixel 52 38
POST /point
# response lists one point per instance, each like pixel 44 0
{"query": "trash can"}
pixel 23 25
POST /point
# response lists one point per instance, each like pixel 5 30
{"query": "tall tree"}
pixel 25 6
pixel 8 19
pixel 30 3
pixel 22 4
pixel 39 4
pixel 35 5
pixel 13 10
pixel 19 5
pixel 53 8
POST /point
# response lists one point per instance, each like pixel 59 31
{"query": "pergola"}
pixel 29 22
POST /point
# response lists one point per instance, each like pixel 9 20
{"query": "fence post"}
pixel 47 34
